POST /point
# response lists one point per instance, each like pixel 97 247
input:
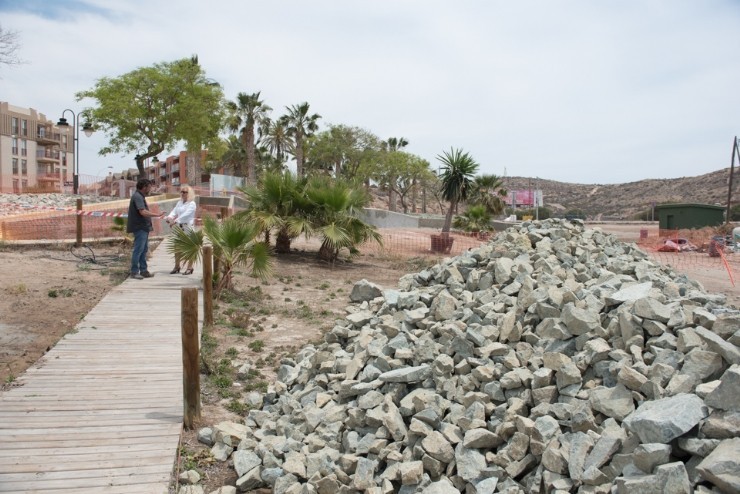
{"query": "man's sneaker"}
pixel 146 274
pixel 137 276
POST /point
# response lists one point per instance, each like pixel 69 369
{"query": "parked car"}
pixel 677 245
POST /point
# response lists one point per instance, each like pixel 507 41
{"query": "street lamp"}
pixel 97 182
pixel 87 128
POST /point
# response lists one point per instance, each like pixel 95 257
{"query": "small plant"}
pixel 18 289
pixel 257 345
pixel 238 407
pixel 62 292
pixel 222 382
pixel 256 386
pixel 232 352
pixel 323 286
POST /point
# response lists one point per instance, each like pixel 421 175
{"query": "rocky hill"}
pixel 624 201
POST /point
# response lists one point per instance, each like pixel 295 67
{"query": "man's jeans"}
pixel 138 256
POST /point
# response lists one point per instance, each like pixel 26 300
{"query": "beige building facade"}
pixel 35 154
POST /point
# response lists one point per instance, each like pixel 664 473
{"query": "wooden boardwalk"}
pixel 102 411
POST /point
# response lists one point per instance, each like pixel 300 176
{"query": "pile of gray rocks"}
pixel 553 359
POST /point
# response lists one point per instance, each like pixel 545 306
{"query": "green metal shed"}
pixel 677 216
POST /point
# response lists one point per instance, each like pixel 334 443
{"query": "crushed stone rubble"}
pixel 12 204
pixel 553 359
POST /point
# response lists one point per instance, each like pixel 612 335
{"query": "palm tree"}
pixel 235 155
pixel 234 245
pixel 489 191
pixel 274 205
pixel 334 214
pixel 250 112
pixel 300 125
pixel 276 139
pixel 475 219
pixel 458 169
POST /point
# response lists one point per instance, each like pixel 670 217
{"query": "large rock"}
pixel 722 466
pixel 663 420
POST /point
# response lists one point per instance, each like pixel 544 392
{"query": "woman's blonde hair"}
pixel 189 190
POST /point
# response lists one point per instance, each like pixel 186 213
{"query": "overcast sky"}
pixel 592 92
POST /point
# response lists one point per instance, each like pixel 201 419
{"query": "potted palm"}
pixel 458 170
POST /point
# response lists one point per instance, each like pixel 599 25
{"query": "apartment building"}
pixel 173 171
pixel 35 154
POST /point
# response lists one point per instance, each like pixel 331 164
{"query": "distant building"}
pixel 35 154
pixel 686 216
pixel 173 171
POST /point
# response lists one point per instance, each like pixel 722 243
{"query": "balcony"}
pixel 47 156
pixel 48 137
pixel 49 177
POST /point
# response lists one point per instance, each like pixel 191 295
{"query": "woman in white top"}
pixel 183 216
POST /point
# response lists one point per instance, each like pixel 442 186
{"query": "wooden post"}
pixel 190 356
pixel 79 223
pixel 207 285
pixel 224 213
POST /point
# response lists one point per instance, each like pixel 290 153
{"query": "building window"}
pixel 24 185
pixel 15 145
pixel 15 166
pixel 24 147
pixel 24 128
pixel 24 167
pixel 16 187
pixel 14 125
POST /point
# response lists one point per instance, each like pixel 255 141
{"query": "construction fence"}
pixel 687 251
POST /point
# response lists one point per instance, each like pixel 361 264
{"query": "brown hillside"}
pixel 624 201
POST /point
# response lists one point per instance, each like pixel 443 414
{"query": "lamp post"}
pixel 97 182
pixel 87 128
pixel 729 186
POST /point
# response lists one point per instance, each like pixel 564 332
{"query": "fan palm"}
pixel 300 125
pixel 273 206
pixel 489 191
pixel 475 219
pixel 458 169
pixel 334 216
pixel 250 112
pixel 234 244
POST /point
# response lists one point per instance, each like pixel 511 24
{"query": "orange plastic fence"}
pixel 690 251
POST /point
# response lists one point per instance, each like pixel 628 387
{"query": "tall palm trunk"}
pixel 448 219
pixel 249 146
pixel 282 242
pixel 299 154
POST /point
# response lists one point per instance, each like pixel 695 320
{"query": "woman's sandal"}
pixel 188 271
pixel 176 270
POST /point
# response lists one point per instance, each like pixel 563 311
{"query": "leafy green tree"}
pixel 348 152
pixel 155 108
pixel 458 170
pixel 399 172
pixel 300 126
pixel 247 114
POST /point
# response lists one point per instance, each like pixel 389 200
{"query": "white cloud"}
pixel 574 90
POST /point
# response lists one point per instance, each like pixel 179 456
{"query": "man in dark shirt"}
pixel 140 224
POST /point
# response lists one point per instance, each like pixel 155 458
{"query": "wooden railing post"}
pixel 79 223
pixel 190 357
pixel 208 285
pixel 224 213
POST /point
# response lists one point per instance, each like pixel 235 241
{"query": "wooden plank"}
pixel 102 410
